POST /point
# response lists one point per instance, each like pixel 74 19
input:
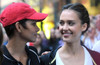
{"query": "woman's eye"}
pixel 61 22
pixel 71 23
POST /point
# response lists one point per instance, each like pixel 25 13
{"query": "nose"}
pixel 65 27
pixel 37 29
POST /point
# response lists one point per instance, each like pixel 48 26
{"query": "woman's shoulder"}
pixel 95 56
pixel 96 46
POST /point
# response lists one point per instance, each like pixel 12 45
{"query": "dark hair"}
pixel 1 40
pixel 11 28
pixel 83 13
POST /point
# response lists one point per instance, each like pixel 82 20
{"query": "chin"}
pixel 31 40
pixel 67 40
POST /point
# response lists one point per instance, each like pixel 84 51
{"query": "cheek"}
pixel 76 30
pixel 60 29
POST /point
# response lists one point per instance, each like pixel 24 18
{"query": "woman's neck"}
pixel 72 52
pixel 71 48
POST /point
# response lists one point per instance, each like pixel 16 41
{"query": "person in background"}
pixel 39 46
pixel 54 39
pixel 58 38
pixel 96 46
pixel 98 26
pixel 19 21
pixel 5 41
pixel 1 41
pixel 91 37
pixel 44 39
pixel 74 21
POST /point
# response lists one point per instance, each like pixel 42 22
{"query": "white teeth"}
pixel 67 33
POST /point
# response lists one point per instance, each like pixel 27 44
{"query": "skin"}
pixel 16 48
pixel 30 33
pixel 38 40
pixel 37 43
pixel 72 53
pixel 92 32
pixel 98 22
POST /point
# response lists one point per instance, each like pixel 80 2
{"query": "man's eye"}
pixel 33 24
pixel 61 22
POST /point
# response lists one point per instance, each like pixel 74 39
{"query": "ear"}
pixel 84 26
pixel 18 26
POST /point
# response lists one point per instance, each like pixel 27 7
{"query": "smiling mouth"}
pixel 67 35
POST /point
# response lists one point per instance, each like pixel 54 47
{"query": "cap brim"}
pixel 38 16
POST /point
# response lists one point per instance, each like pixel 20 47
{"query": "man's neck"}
pixel 16 46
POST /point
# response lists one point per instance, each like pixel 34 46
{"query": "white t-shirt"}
pixel 96 46
pixel 88 59
pixel 88 43
pixel 98 37
pixel 58 60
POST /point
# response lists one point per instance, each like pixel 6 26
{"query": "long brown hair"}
pixel 1 40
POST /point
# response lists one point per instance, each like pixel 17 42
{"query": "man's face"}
pixel 30 33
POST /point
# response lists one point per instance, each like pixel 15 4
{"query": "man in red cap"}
pixel 19 21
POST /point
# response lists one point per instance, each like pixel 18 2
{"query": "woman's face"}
pixel 70 26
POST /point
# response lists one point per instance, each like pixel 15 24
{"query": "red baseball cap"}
pixel 18 11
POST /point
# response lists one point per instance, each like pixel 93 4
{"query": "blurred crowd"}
pixel 92 36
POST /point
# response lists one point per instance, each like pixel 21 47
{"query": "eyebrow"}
pixel 67 20
pixel 70 20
